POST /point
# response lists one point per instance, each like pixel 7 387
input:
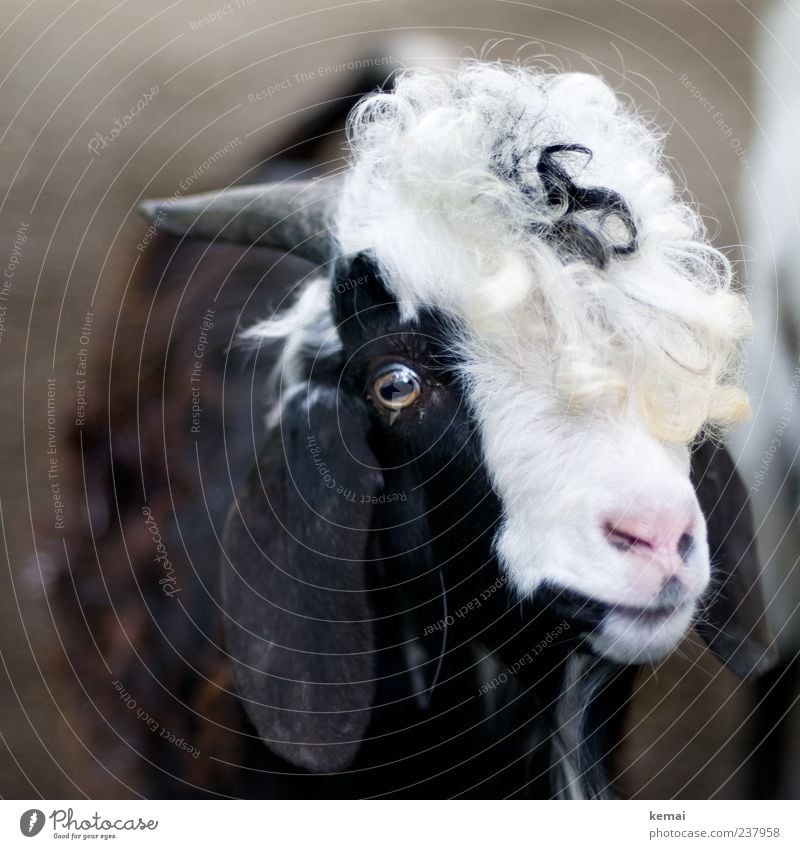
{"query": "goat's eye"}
pixel 396 386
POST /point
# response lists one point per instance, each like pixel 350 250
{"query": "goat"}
pixel 471 511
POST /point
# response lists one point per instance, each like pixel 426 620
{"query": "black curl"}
pixel 568 232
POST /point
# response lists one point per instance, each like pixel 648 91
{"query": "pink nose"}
pixel 663 538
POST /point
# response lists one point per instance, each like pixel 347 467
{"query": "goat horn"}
pixel 293 216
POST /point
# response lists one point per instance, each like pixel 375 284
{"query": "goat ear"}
pixel 298 625
pixel 359 297
pixel 732 618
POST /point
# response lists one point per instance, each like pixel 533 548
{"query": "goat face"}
pixel 591 512
pixel 588 512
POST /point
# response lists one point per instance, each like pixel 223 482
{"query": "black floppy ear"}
pixel 298 623
pixel 732 620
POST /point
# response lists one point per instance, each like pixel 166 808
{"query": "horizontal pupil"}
pixel 396 389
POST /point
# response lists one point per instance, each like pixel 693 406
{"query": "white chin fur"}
pixel 632 638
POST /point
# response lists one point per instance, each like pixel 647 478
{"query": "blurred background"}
pixel 104 103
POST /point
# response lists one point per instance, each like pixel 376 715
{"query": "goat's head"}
pixel 523 325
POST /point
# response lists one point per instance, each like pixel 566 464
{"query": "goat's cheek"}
pixel 427 426
pixel 435 416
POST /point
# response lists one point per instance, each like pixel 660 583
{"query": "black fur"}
pixel 733 619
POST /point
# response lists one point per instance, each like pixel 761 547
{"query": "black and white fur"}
pixel 514 240
pixel 335 605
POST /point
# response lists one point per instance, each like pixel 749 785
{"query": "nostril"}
pixel 624 540
pixel 685 546
pixel 662 532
